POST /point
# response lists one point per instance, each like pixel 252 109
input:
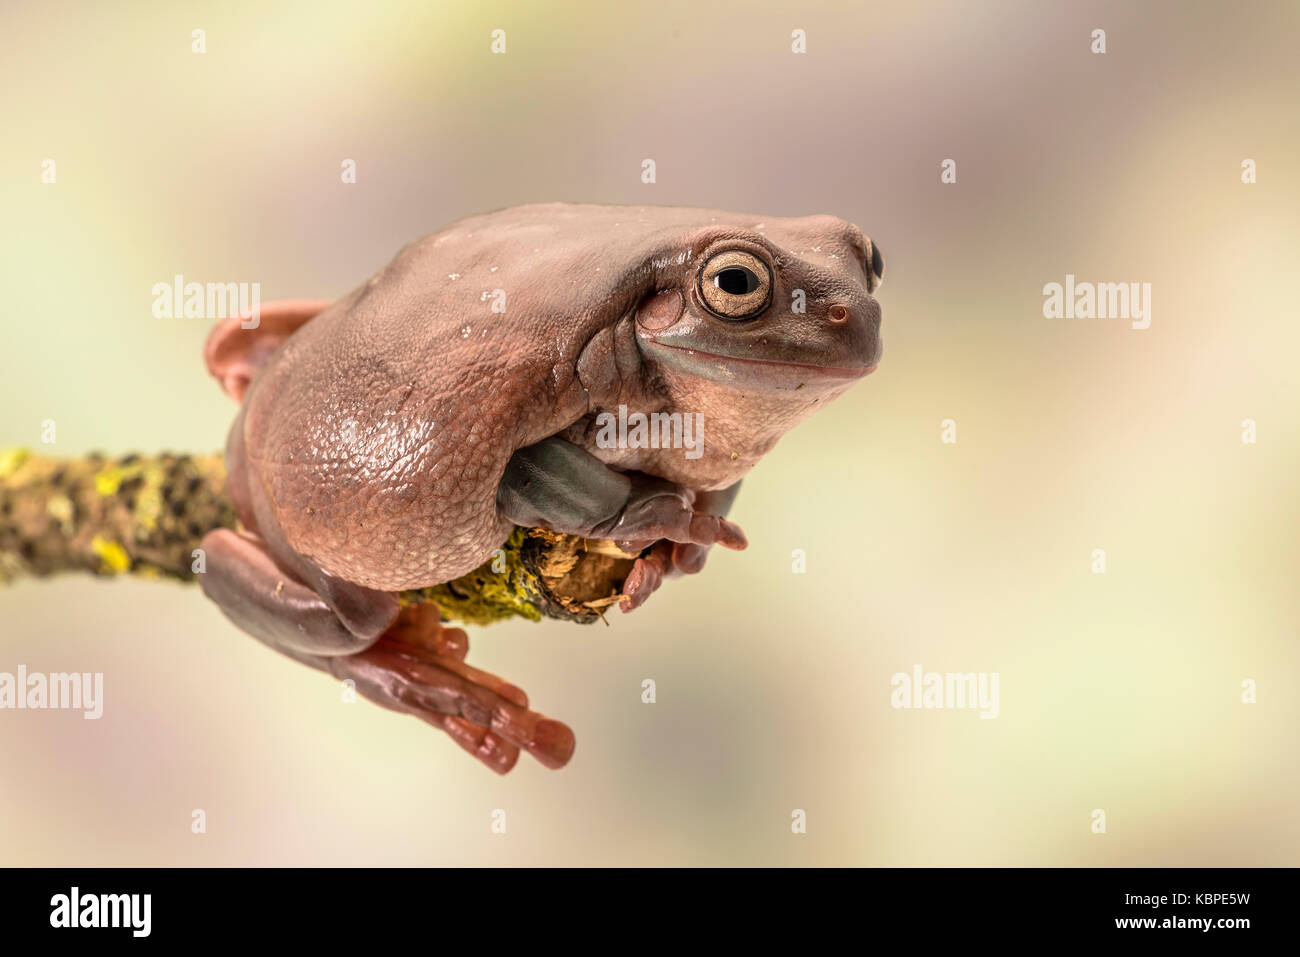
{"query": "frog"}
pixel 393 439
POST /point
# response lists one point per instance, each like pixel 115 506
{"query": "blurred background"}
pixel 1119 691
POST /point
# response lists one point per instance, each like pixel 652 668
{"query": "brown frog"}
pixel 392 439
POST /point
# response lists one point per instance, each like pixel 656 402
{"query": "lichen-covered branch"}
pixel 145 515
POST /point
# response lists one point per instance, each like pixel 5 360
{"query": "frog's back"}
pixel 381 429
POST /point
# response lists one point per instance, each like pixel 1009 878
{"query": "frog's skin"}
pixel 392 439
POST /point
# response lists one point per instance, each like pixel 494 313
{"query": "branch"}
pixel 145 515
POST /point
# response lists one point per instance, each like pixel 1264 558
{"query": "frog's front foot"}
pixel 664 560
pixel 661 510
pixel 417 667
pixel 667 558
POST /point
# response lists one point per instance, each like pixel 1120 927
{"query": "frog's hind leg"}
pixel 402 659
pixel 272 605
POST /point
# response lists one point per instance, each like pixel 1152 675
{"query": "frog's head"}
pixel 783 306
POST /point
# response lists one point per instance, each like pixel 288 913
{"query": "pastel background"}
pixel 1118 691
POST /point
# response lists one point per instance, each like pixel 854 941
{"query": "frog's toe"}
pixel 644 579
pixel 491 715
pixel 689 559
pixel 487 746
pixel 420 627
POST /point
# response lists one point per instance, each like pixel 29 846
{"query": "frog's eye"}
pixel 877 262
pixel 735 285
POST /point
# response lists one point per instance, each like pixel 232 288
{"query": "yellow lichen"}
pixel 11 459
pixel 110 478
pixel 113 557
pixel 149 504
pixel 486 595
pixel 495 599
pixel 149 500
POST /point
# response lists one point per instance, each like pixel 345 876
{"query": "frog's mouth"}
pixel 775 374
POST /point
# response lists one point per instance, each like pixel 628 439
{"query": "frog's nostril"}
pixel 838 314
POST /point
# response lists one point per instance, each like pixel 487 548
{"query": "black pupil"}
pixel 736 280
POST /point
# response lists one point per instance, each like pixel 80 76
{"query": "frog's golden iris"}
pixel 735 285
